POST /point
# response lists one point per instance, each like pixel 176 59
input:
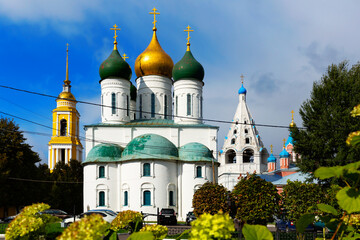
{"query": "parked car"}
pixel 288 225
pixel 56 212
pixel 9 218
pixel 108 215
pixel 167 216
pixel 190 216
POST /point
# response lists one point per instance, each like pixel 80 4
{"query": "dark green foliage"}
pixel 67 196
pixel 17 160
pixel 211 198
pixel 299 198
pixel 256 200
pixel 327 120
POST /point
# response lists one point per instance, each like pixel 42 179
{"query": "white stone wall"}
pixel 121 88
pixel 160 86
pixel 182 88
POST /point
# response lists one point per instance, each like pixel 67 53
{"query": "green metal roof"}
pixel 188 68
pixel 115 66
pixel 104 153
pixel 152 123
pixel 195 152
pixel 150 146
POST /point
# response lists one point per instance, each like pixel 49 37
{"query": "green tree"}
pixel 327 120
pixel 299 198
pixel 67 190
pixel 256 200
pixel 211 198
pixel 17 162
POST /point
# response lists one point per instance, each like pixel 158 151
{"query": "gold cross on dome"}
pixel 242 79
pixel 125 57
pixel 115 27
pixel 188 31
pixel 292 115
pixel 154 13
pixel 271 147
pixel 284 142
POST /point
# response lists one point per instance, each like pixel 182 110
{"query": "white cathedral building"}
pixel 151 149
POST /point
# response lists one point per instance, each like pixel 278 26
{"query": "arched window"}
pixel 230 156
pixel 165 107
pixel 246 131
pixel 113 103
pixel 152 105
pixel 102 105
pixel 247 140
pixel 198 172
pixel 127 106
pixel 101 172
pixel 146 170
pixel 201 106
pixel 140 106
pixel 126 198
pixel 147 198
pixel 101 199
pixel 233 141
pixel 188 104
pixel 171 198
pixel 248 156
pixel 63 127
pixel 235 131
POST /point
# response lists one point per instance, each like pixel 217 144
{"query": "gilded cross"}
pixel 284 142
pixel 115 27
pixel 125 57
pixel 188 31
pixel 292 115
pixel 271 147
pixel 154 13
pixel 242 79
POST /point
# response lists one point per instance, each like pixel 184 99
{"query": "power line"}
pixel 43 181
pixel 186 117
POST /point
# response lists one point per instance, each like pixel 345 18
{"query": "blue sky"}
pixel 281 47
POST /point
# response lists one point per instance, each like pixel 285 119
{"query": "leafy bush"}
pixel 158 231
pixel 91 227
pixel 207 226
pixel 299 198
pixel 211 198
pixel 28 224
pixel 256 200
pixel 130 220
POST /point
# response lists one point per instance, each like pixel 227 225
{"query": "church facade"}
pixel 151 149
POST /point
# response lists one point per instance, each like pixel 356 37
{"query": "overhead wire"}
pixel 168 115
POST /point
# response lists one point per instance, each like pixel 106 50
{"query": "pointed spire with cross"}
pixel 188 38
pixel 154 13
pixel 67 81
pixel 115 27
pixel 292 124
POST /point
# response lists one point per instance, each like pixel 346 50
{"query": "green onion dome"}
pixel 188 68
pixel 104 153
pixel 115 66
pixel 195 152
pixel 133 92
pixel 150 146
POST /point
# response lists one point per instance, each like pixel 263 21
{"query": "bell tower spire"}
pixel 65 143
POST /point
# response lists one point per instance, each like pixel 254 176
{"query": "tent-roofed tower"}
pixel 65 143
pixel 243 151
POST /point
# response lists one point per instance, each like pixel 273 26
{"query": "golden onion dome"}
pixel 154 60
pixel 67 95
